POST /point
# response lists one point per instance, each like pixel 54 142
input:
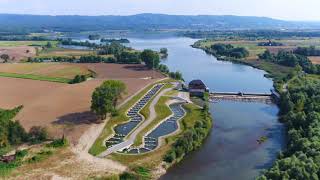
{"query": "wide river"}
pixel 231 151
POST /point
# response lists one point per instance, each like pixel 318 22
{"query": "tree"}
pixel 5 57
pixel 105 97
pixel 150 58
pixel 49 45
pixel 38 134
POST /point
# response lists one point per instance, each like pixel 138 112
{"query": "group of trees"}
pixel 94 36
pixel 12 133
pixel 228 50
pixel 307 51
pixel 70 42
pixel 5 57
pixel 114 48
pixel 115 40
pixel 270 43
pixel 291 59
pixel 300 111
pixel 78 79
pixel 105 98
pixel 191 139
pixel 150 58
pixel 53 59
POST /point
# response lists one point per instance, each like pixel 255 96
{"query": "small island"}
pixel 124 41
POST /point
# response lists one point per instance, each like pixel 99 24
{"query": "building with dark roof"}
pixel 197 88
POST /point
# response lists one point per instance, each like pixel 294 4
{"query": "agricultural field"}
pixel 64 52
pixel 54 72
pixel 254 49
pixel 25 43
pixel 18 53
pixel 314 59
pixel 57 105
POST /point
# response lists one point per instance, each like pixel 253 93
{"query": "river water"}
pixel 231 151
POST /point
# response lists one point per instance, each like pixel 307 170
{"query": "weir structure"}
pixel 272 97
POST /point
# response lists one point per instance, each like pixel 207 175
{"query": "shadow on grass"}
pixel 86 117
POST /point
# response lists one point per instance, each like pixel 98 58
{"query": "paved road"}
pixel 130 140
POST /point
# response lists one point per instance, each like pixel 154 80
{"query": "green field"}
pixel 35 77
pixel 25 43
pixel 54 72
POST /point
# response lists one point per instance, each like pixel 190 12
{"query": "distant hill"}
pixel 143 22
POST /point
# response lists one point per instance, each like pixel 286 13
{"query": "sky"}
pixel 306 10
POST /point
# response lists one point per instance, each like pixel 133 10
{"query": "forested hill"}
pixel 143 22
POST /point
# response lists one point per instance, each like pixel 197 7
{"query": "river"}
pixel 231 151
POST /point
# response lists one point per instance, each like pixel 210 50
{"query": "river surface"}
pixel 231 151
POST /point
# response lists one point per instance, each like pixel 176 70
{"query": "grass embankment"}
pixel 99 146
pixel 163 111
pixel 152 159
pixel 31 157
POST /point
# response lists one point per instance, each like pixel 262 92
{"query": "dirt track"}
pixel 64 108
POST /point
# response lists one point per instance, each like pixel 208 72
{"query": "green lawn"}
pixel 35 77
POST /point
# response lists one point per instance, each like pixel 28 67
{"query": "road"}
pixel 130 140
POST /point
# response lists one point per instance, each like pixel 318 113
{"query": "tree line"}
pixel 12 133
pixel 307 51
pixel 191 139
pixel 270 43
pixel 228 50
pixel 299 110
pixel 291 59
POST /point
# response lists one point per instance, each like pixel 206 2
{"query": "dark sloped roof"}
pixel 197 84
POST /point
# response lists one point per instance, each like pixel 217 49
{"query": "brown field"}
pixel 18 53
pixel 45 69
pixel 108 70
pixel 64 108
pixel 314 59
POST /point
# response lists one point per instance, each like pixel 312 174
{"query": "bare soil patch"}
pixel 18 53
pixel 110 71
pixel 314 59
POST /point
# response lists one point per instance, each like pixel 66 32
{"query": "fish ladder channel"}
pixel 135 118
pixel 170 125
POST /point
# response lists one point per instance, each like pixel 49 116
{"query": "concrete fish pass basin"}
pixel 167 127
pixel 135 118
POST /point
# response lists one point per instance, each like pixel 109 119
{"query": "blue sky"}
pixel 281 9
